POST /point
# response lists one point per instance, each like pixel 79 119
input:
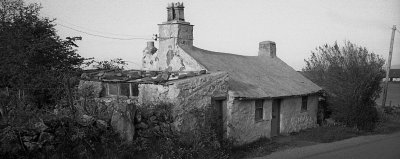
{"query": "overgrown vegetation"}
pixel 35 62
pixel 113 64
pixel 351 76
pixel 38 133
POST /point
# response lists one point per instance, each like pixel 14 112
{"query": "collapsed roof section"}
pixel 138 76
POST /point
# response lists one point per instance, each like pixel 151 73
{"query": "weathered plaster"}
pixel 170 56
pixel 243 126
pixel 293 119
pixel 151 93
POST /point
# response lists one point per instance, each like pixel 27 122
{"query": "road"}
pixel 364 147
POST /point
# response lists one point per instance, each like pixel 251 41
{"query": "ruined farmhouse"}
pixel 254 96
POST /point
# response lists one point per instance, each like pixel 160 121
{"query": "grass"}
pixel 326 134
pixel 261 147
pixel 265 146
pixel 312 136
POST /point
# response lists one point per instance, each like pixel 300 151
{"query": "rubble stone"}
pixel 101 124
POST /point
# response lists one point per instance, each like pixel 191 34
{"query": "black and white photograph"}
pixel 199 79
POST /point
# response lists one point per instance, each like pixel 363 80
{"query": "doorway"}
pixel 217 116
pixel 275 121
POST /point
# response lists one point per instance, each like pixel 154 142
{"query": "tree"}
pixel 351 76
pixel 34 59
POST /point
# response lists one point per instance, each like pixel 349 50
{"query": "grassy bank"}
pixel 322 134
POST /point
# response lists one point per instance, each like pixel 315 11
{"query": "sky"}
pixel 234 26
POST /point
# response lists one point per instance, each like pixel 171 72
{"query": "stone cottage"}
pixel 264 96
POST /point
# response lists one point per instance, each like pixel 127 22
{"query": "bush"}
pixel 351 77
pixel 41 134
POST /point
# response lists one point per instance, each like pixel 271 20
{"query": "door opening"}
pixel 217 122
pixel 275 121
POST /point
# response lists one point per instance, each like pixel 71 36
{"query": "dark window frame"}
pixel 259 110
pixel 129 92
pixel 134 87
pixel 124 89
pixel 112 93
pixel 304 103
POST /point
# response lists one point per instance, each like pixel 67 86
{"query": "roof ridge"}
pixel 211 52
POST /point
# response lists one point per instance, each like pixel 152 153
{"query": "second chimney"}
pixel 267 49
pixel 150 49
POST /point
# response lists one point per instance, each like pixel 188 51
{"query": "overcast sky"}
pixel 236 27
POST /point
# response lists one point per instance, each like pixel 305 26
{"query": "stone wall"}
pixel 186 95
pixel 242 125
pixel 293 119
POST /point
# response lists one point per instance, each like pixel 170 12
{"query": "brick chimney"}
pixel 267 49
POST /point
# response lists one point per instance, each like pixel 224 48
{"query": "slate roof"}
pixel 253 76
pixel 394 73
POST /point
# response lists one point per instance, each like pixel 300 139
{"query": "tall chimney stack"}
pixel 175 12
pixel 170 10
pixel 179 15
pixel 267 49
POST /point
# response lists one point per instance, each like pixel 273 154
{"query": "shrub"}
pixel 351 77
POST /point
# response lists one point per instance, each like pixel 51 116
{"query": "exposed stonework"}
pixel 186 94
pixel 293 119
pixel 170 56
pixel 122 121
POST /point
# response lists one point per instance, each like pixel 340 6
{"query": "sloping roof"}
pixel 253 76
pixel 394 73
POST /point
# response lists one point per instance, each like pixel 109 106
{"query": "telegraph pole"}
pixel 388 67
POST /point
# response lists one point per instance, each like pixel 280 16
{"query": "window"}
pixel 259 110
pixel 304 103
pixel 113 89
pixel 122 89
pixel 135 89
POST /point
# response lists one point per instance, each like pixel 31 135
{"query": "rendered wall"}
pixel 170 56
pixel 293 119
pixel 241 123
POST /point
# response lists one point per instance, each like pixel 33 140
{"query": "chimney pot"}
pixel 267 49
pixel 175 12
pixel 150 48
